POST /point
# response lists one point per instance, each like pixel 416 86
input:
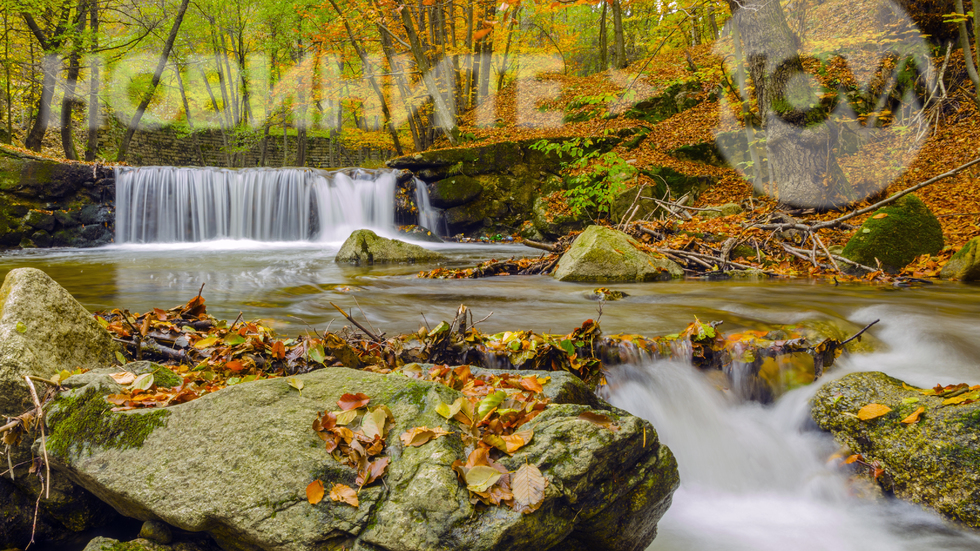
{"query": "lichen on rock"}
pixel 364 247
pixel 602 254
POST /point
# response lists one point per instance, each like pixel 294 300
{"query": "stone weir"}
pixel 45 203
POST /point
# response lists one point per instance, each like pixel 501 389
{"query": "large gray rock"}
pixel 965 264
pixel 605 255
pixel 43 330
pixel 454 191
pixel 932 462
pixel 365 247
pixel 236 464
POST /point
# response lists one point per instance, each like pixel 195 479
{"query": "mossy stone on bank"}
pixel 728 209
pixel 552 225
pixel 43 330
pixel 895 235
pixel 364 247
pixel 602 254
pixel 965 264
pixel 454 191
pixel 934 462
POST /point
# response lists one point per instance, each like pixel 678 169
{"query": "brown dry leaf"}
pixel 124 377
pixel 853 458
pixel 353 401
pixel 344 493
pixel 598 419
pixel 314 492
pixel 872 411
pixel 914 417
pixel 372 472
pixel 421 435
pixel 528 486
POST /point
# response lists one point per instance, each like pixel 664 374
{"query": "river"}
pixel 754 478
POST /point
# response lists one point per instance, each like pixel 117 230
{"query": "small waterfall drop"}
pixel 430 217
pixel 177 204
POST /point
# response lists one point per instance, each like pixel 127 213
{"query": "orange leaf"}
pixel 880 216
pixel 344 493
pixel 481 33
pixel 531 383
pixel 353 401
pixel 914 418
pixel 314 492
pixel 853 458
pixel 234 366
pixel 872 411
pixel 278 350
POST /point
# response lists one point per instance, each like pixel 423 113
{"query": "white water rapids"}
pixel 755 478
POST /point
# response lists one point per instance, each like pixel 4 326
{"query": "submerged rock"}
pixel 603 254
pixel 236 463
pixel 965 264
pixel 933 462
pixel 43 330
pixel 365 247
pixel 895 235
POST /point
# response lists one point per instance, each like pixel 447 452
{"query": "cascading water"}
pixel 174 204
pixel 430 217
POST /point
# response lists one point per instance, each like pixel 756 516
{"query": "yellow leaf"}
pixel 123 377
pixel 314 492
pixel 528 486
pixel 872 411
pixel 480 478
pixel 205 343
pixel 914 418
pixel 344 493
pixel 880 216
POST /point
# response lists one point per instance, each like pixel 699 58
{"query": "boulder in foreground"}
pixel 932 461
pixel 43 330
pixel 965 264
pixel 236 464
pixel 364 247
pixel 605 255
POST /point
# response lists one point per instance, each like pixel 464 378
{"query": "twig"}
pixel 44 448
pixel 818 241
pixel 539 245
pixel 859 333
pixel 896 196
pixel 473 324
pixel 239 318
pixel 374 337
pixel 380 334
pixel 201 290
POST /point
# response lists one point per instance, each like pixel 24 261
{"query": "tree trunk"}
pixel 187 115
pixel 50 65
pixel 92 146
pixel 971 68
pixel 6 70
pixel 157 74
pixel 445 116
pixel 619 37
pixel 603 40
pixel 800 148
pixel 69 100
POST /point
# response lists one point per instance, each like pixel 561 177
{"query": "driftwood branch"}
pixel 44 447
pixel 861 332
pixel 542 246
pixel 373 337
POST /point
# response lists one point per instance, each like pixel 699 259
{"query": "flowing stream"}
pixel 754 478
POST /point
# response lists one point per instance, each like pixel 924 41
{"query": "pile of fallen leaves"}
pixel 353 436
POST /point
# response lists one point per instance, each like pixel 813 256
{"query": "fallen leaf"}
pixel 123 377
pixel 345 417
pixel 447 410
pixel 206 342
pixel 372 471
pixel 528 486
pixel 914 417
pixel 345 494
pixel 480 478
pixel 872 411
pixel 144 381
pixel 353 401
pixel 598 419
pixel 880 216
pixel 298 385
pixel 853 458
pixel 421 435
pixel 373 423
pixel 314 492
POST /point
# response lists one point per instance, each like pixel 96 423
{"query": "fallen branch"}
pixel 541 246
pixel 861 332
pixel 44 447
pixel 374 337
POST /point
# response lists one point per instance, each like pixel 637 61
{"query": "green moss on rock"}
pixel 965 264
pixel 605 255
pixel 364 247
pixel 907 229
pixel 935 462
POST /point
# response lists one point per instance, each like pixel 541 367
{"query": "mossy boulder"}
pixel 603 254
pixel 236 464
pixel 553 225
pixel 364 247
pixel 965 264
pixel 454 191
pixel 934 462
pixel 895 235
pixel 43 330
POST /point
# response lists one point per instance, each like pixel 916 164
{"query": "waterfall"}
pixel 175 204
pixel 430 217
